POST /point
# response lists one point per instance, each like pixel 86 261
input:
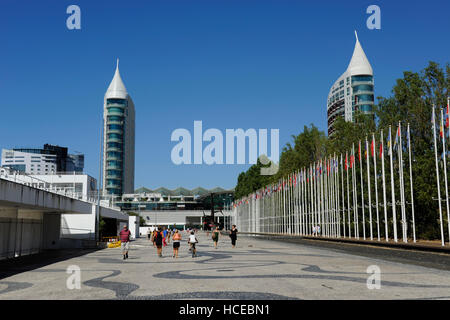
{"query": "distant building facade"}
pixel 49 160
pixel 353 91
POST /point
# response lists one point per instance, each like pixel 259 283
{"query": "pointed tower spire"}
pixel 116 88
pixel 359 64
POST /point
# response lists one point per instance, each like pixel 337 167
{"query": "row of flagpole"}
pixel 322 199
pixel 444 159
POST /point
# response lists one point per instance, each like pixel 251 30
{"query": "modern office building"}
pixel 353 91
pixel 118 141
pixel 49 160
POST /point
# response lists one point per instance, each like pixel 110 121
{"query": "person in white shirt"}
pixel 192 241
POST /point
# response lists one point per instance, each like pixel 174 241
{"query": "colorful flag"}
pixel 447 116
pixel 372 147
pixel 346 162
pixel 359 151
pixel 396 138
pixel 389 142
pixel 381 149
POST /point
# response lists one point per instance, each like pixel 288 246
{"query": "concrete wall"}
pixel 15 194
pixel 133 225
pixel 52 229
pixel 32 220
pixel 24 232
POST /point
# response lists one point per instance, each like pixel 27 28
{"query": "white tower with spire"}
pixel 118 138
pixel 353 91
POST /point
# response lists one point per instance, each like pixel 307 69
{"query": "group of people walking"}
pixel 161 237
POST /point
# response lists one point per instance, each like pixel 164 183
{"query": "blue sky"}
pixel 232 64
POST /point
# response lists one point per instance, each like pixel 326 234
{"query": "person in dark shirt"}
pixel 215 236
pixel 233 235
pixel 158 241
pixel 124 236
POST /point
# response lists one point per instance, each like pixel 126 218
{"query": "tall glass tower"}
pixel 118 139
pixel 353 91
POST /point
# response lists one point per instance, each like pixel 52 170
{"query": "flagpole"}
pixel 336 199
pixel 330 198
pixel 411 185
pixel 362 190
pixel 324 226
pixel 311 199
pixel 437 176
pixel 355 205
pixel 343 197
pixel 445 171
pixel 311 202
pixel 368 189
pixel 324 198
pixel 348 196
pixel 394 214
pixel 302 203
pixel 317 190
pixel 376 184
pixel 337 213
pixel 402 185
pixel 386 232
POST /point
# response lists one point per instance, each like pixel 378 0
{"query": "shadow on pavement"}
pixel 14 266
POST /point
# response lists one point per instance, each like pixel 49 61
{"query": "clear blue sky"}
pixel 231 64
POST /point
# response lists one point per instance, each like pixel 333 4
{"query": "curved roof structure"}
pixel 116 88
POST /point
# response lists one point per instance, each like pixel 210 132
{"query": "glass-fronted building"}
pixel 353 91
pixel 118 143
pixel 48 160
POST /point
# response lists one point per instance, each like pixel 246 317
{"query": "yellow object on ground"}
pixel 114 244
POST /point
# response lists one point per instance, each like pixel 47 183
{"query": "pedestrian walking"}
pixel 233 235
pixel 192 241
pixel 168 235
pixel 149 234
pixel 164 236
pixel 154 233
pixel 215 236
pixel 158 242
pixel 176 243
pixel 124 236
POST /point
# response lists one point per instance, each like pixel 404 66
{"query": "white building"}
pixel 118 143
pixel 73 184
pixel 353 90
pixel 29 162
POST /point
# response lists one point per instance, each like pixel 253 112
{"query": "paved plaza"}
pixel 255 269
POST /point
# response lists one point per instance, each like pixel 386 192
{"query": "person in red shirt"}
pixel 124 236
